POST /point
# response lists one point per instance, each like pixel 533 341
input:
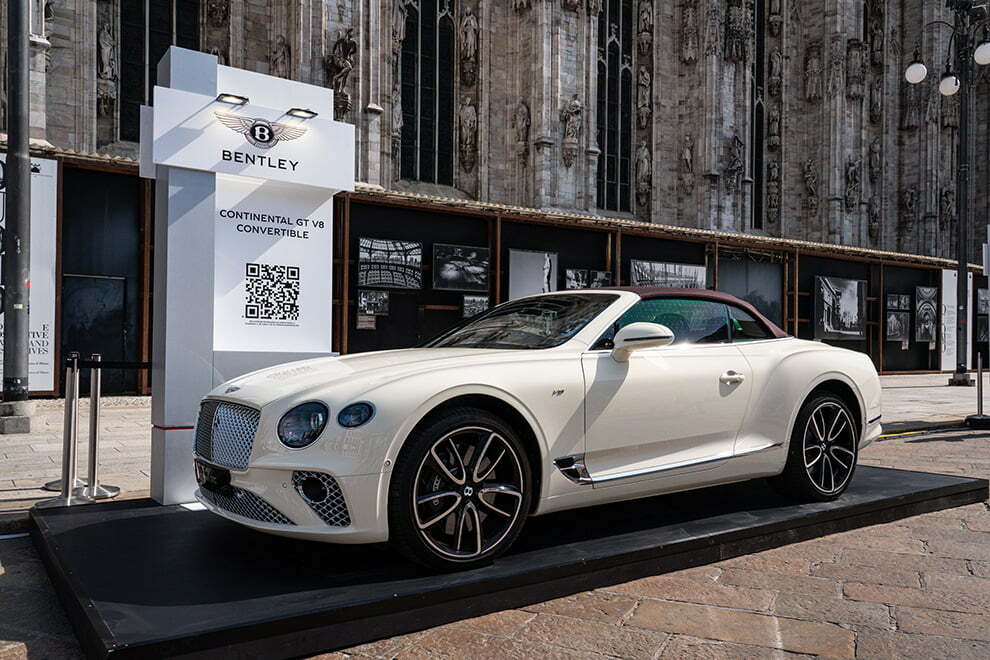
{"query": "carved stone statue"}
pixel 644 97
pixel 950 112
pixel 911 104
pixel 217 13
pixel 876 160
pixel 773 130
pixel 876 100
pixel 594 7
pixel 398 25
pixel 572 115
pixel 909 203
pixel 875 212
pixel 397 123
pixel 645 26
pixel 689 33
pixel 776 76
pixel 895 42
pixel 280 58
pixel 854 183
pixel 776 17
pixel 687 154
pixel 572 5
pixel 467 124
pixel 644 174
pixel 520 5
pixel 339 65
pixel 875 28
pixel 713 28
pixel 934 106
pixel 738 31
pixel 520 123
pixel 947 205
pixel 773 188
pixel 736 165
pixel 811 185
pixel 813 72
pixel 855 70
pixel 469 48
pixel 836 63
pixel 106 48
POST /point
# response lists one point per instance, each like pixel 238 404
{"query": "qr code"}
pixel 271 292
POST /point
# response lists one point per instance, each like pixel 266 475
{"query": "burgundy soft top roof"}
pixel 652 292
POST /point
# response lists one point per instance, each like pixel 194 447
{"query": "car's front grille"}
pixel 225 433
pixel 332 509
pixel 246 504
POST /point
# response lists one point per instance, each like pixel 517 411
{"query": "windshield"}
pixel 530 323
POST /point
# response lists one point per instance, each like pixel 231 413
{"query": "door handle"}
pixel 731 377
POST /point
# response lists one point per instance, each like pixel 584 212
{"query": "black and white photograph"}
pixel 983 301
pixel 982 329
pixel 926 313
pixel 898 326
pixel 840 308
pixel 599 279
pixel 656 273
pixel 575 278
pixel 390 264
pixel 531 272
pixel 893 302
pixel 374 303
pixel 474 305
pixel 460 267
pixel 906 302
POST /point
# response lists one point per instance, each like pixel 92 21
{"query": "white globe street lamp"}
pixel 982 53
pixel 949 85
pixel 916 72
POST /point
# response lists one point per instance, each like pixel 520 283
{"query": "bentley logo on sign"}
pixel 260 132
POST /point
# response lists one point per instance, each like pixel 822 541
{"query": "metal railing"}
pixel 70 488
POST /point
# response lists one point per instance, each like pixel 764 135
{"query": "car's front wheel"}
pixel 823 451
pixel 460 491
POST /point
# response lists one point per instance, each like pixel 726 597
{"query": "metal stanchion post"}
pixel 69 439
pixel 979 420
pixel 94 491
pixel 70 432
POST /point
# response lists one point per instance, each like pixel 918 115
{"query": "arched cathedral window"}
pixel 615 105
pixel 147 29
pixel 427 73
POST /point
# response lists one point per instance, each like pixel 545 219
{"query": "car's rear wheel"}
pixel 460 491
pixel 823 451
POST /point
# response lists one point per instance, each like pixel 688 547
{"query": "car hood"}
pixel 362 371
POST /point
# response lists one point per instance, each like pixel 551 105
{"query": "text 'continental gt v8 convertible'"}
pixel 545 403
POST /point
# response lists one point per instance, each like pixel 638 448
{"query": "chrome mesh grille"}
pixel 333 509
pixel 246 504
pixel 225 433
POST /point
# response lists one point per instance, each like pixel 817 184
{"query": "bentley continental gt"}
pixel 541 404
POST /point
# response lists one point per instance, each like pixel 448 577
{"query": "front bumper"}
pixel 871 432
pixel 298 517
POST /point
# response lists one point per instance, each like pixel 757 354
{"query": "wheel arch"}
pixel 837 385
pixel 499 404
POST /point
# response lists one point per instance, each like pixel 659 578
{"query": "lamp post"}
pixel 971 17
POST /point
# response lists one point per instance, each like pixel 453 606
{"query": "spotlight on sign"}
pixel 302 113
pixel 232 99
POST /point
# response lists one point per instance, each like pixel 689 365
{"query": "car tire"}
pixel 460 491
pixel 823 451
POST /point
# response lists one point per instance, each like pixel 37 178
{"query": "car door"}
pixel 667 410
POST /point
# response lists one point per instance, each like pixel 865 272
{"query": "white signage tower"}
pixel 246 168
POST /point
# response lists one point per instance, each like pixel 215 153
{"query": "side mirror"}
pixel 636 336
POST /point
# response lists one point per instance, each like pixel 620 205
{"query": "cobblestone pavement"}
pixel 915 588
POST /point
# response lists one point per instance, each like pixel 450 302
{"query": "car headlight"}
pixel 355 415
pixel 301 426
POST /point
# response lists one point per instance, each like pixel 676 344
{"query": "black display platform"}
pixel 142 580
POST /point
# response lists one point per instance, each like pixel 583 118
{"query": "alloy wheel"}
pixel 468 492
pixel 829 447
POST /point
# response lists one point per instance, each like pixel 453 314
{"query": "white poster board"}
pixel 44 193
pixel 273 270
pixel 949 316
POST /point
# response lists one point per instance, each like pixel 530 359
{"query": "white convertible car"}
pixel 544 403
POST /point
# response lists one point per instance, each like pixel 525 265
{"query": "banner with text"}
pixel 273 271
pixel 44 192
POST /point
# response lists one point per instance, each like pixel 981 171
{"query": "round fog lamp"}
pixel 301 426
pixel 355 415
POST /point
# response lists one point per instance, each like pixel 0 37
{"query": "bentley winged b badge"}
pixel 260 132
